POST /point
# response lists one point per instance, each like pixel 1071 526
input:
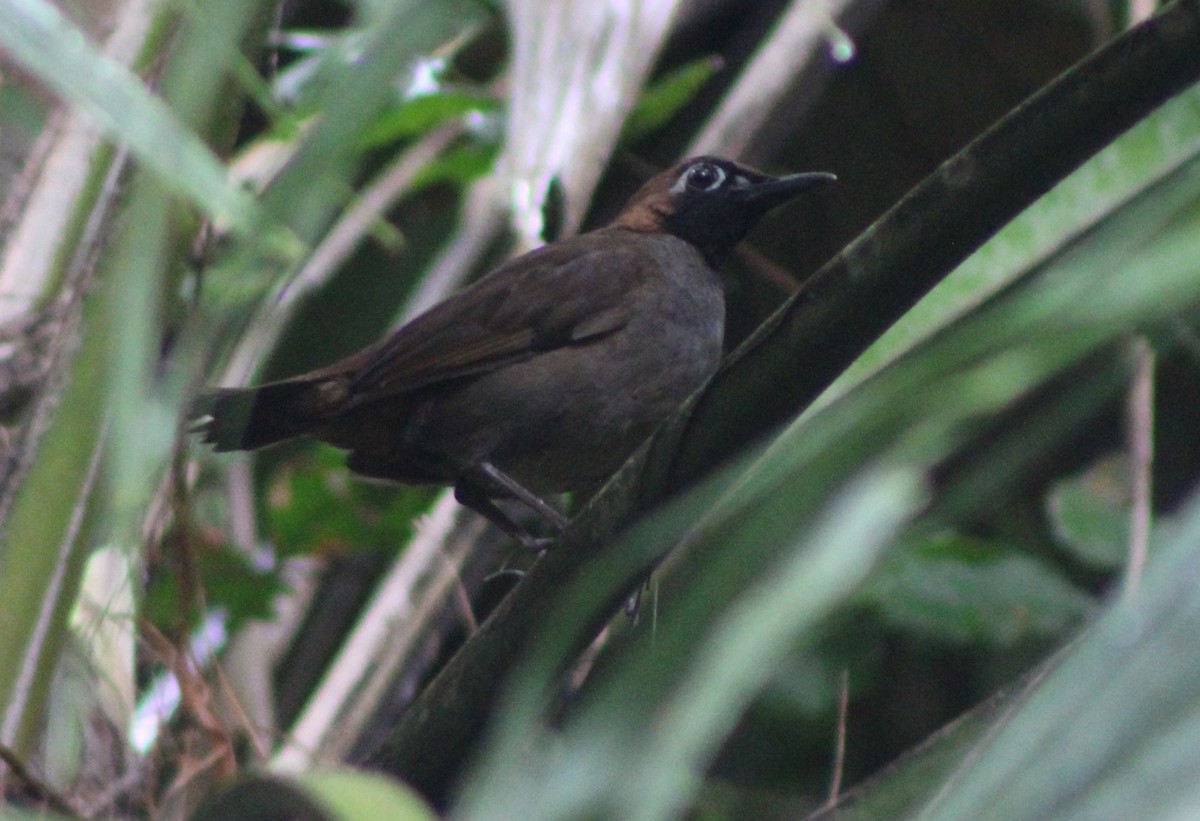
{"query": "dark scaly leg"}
pixel 481 484
pixel 495 482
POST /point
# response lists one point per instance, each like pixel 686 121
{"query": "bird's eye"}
pixel 704 177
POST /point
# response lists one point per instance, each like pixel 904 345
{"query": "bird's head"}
pixel 711 202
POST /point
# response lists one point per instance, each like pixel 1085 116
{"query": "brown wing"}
pixel 562 294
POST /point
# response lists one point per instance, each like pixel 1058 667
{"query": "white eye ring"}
pixel 701 177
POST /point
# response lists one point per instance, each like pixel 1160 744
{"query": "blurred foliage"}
pixel 968 590
pixel 322 795
pixel 313 507
pixel 20 111
pixel 666 96
pixel 419 114
pixel 458 166
pixel 1090 513
pixel 228 582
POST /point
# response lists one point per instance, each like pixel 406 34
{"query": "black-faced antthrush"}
pixel 543 376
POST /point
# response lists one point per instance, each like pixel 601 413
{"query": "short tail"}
pixel 251 418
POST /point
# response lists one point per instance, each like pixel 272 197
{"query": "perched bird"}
pixel 543 376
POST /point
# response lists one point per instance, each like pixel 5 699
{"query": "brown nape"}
pixel 648 216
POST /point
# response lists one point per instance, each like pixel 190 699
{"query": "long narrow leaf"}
pixel 35 34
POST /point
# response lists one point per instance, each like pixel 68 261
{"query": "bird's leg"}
pixel 476 488
pixel 495 482
pixel 472 496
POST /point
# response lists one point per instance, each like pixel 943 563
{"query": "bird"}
pixel 544 375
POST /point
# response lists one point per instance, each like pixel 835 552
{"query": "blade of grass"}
pixel 105 352
pixel 36 35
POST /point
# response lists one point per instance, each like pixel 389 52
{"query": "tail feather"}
pixel 251 418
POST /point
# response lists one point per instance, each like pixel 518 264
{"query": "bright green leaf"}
pixel 663 99
pixel 458 166
pixel 314 506
pixel 228 580
pixel 420 114
pixel 329 795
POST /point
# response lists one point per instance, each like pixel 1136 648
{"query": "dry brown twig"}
pixel 39 788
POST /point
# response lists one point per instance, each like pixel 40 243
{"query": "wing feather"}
pixel 564 294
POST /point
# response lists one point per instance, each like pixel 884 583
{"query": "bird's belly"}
pixel 568 418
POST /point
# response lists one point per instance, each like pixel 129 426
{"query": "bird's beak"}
pixel 775 191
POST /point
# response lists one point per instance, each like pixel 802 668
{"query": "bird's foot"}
pixel 477 489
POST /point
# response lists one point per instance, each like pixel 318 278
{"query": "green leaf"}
pixel 1090 514
pixel 228 580
pixel 772 572
pixel 358 796
pixel 314 506
pixel 418 115
pixel 351 98
pixel 20 111
pixel 458 166
pixel 663 99
pixel 326 795
pixel 1112 732
pixel 960 589
pixel 640 738
pixel 232 582
pixel 38 37
pixel 302 82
